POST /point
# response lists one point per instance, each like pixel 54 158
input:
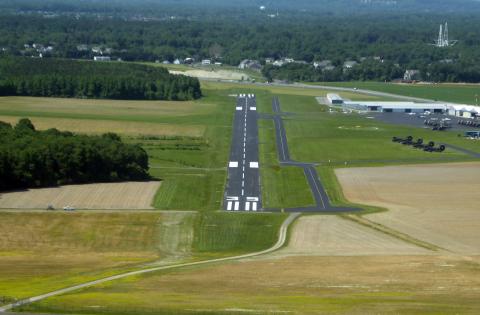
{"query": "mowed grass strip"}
pixel 282 187
pixel 234 233
pixel 352 138
pixel 283 90
pixel 93 126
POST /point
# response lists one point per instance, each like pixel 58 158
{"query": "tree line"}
pixel 32 158
pixel 371 70
pixel 86 79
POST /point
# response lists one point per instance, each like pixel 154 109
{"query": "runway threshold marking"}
pixel 249 203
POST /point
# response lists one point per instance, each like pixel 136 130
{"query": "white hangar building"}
pixel 459 110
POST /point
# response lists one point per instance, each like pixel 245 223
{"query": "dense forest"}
pixel 31 158
pixel 372 70
pixel 400 33
pixel 205 8
pixel 70 78
pixel 404 40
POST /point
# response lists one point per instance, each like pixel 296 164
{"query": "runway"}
pixel 242 192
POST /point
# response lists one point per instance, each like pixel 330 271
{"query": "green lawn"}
pixel 282 187
pixel 235 233
pixel 338 138
pixel 459 93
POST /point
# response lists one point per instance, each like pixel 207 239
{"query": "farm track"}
pixel 282 237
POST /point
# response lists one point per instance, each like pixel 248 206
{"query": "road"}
pixel 322 203
pixel 282 236
pixel 242 192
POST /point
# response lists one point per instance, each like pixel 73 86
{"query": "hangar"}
pixel 397 107
pixel 458 110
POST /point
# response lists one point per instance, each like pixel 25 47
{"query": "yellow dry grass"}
pixel 45 250
pixel 125 195
pixel 328 235
pixel 92 126
pixel 435 203
pixel 101 107
pixel 300 285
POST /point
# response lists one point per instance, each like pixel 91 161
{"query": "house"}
pixel 177 62
pixel 322 64
pixel 97 50
pixel 289 60
pixel 269 60
pixel 166 62
pixel 278 63
pixel 206 62
pixel 349 64
pixel 101 58
pixel 250 64
pixel 189 61
pixel 218 63
pixel 411 75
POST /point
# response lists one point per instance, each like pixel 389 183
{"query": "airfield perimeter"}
pixel 400 267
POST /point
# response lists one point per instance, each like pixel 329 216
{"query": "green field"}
pixel 315 135
pixel 188 142
pixel 41 252
pixel 457 93
pixel 188 145
pixel 282 187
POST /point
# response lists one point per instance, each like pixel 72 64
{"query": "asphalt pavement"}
pixel 322 203
pixel 242 192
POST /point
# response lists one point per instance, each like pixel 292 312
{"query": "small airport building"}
pixel 458 110
pixel 397 107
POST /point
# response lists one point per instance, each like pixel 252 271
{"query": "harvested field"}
pixel 127 195
pixel 300 285
pixel 75 106
pixel 328 235
pixel 435 203
pixel 94 126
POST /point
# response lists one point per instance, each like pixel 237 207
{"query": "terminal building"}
pixel 458 110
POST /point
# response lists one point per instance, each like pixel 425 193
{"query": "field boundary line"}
pixel 282 237
pixel 393 233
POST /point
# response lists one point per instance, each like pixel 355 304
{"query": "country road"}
pixel 282 236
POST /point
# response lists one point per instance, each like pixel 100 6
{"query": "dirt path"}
pixel 175 237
